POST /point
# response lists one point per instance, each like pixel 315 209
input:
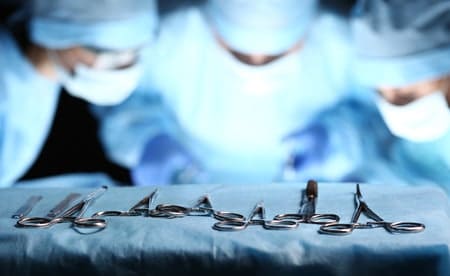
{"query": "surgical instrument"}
pixel 27 207
pixel 256 217
pixel 60 207
pixel 307 212
pixel 142 208
pixel 362 207
pixel 203 207
pixel 69 215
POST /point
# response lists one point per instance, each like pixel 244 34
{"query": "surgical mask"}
pixel 425 119
pixel 100 86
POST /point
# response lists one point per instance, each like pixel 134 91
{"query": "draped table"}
pixel 189 245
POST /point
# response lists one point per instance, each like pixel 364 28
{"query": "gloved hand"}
pixel 165 161
pixel 322 151
pixel 344 143
pixel 304 148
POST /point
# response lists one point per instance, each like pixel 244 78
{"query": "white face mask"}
pixel 425 119
pixel 100 86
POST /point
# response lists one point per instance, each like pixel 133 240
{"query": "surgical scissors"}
pixel 259 212
pixel 307 212
pixel 142 208
pixel 203 207
pixel 362 207
pixel 68 216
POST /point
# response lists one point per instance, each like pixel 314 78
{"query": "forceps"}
pixel 362 207
pixel 68 216
pixel 203 207
pixel 142 208
pixel 307 212
pixel 256 217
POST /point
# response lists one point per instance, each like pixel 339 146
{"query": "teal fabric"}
pixel 188 246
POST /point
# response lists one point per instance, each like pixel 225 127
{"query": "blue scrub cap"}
pixel 401 42
pixel 107 24
pixel 261 26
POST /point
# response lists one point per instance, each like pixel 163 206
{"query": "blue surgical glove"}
pixel 165 161
pixel 305 148
pixel 323 151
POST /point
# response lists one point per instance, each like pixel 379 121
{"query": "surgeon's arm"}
pixel 142 135
pixel 27 105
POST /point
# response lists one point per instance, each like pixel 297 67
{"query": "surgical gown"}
pixel 27 105
pixel 232 118
pixel 424 162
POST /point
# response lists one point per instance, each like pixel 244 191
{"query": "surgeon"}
pixel 231 79
pixel 89 48
pixel 403 54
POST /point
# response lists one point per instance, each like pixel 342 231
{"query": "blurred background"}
pixel 73 144
pixel 365 90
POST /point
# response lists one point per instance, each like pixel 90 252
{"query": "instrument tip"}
pixel 358 190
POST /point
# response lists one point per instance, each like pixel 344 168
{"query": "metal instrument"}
pixel 26 208
pixel 60 207
pixel 256 217
pixel 142 208
pixel 307 212
pixel 362 207
pixel 69 216
pixel 203 207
